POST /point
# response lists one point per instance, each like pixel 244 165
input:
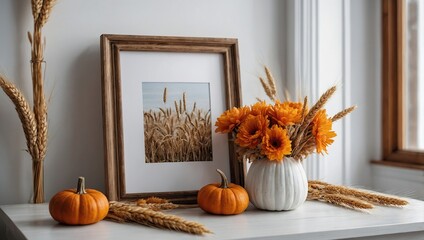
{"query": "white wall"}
pixel 339 43
pixel 316 38
pixel 73 73
pixel 365 88
pixel 330 72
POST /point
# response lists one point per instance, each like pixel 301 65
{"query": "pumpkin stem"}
pixel 224 180
pixel 81 186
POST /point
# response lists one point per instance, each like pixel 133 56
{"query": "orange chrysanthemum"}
pixel 286 113
pixel 260 108
pixel 251 131
pixel 276 143
pixel 231 119
pixel 322 131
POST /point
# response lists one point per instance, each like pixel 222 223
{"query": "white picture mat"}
pixel 139 66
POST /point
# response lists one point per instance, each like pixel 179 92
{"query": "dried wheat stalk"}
pixel 40 106
pixel 44 13
pixel 36 7
pixel 164 95
pixel 349 197
pixel 271 82
pixel 156 204
pixel 366 196
pixel 303 141
pixel 338 199
pixel 124 212
pixel 317 182
pixel 267 89
pixel 269 86
pixel 311 114
pixel 34 122
pixel 343 113
pixel 24 112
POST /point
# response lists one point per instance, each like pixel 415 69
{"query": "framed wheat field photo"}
pixel 161 98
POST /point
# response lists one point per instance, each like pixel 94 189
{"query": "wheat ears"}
pixel 34 122
pixel 303 142
pixel 126 212
pixel 349 197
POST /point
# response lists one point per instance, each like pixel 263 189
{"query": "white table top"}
pixel 313 220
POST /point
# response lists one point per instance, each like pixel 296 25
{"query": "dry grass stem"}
pixel 158 206
pixel 45 12
pixel 267 89
pixel 339 199
pixel 154 200
pixel 297 148
pixel 130 213
pixel 164 95
pixel 348 202
pixel 349 197
pixel 366 196
pixel 25 114
pixel 38 176
pixel 114 218
pixel 343 113
pixel 317 182
pixel 36 8
pixel 42 131
pixel 29 37
pixel 34 122
pixel 311 114
pixel 40 106
pixel 41 10
pixel 184 102
pixel 271 82
pixel 304 108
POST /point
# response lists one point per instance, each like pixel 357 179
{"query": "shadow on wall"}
pixel 78 130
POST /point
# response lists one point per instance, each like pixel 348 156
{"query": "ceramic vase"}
pixel 277 185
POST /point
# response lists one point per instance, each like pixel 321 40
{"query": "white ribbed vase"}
pixel 277 185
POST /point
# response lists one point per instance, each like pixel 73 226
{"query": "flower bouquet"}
pixel 275 138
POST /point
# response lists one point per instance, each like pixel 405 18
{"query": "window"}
pixel 402 100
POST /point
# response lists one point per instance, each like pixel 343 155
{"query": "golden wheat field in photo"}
pixel 177 129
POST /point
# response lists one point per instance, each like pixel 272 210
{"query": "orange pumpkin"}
pixel 224 199
pixel 79 207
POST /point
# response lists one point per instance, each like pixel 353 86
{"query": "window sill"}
pixel 398 164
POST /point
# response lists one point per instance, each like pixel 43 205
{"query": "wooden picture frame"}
pixel 127 62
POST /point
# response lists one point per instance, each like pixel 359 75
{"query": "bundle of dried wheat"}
pixel 283 129
pixel 156 204
pixel 350 197
pixel 34 122
pixel 127 212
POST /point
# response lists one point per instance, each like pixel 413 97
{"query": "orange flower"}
pixel 231 119
pixel 286 113
pixel 322 131
pixel 260 108
pixel 251 131
pixel 276 143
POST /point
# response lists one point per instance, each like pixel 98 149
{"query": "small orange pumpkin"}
pixel 79 207
pixel 224 199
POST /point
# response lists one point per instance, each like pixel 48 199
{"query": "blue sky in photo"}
pixel 195 92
